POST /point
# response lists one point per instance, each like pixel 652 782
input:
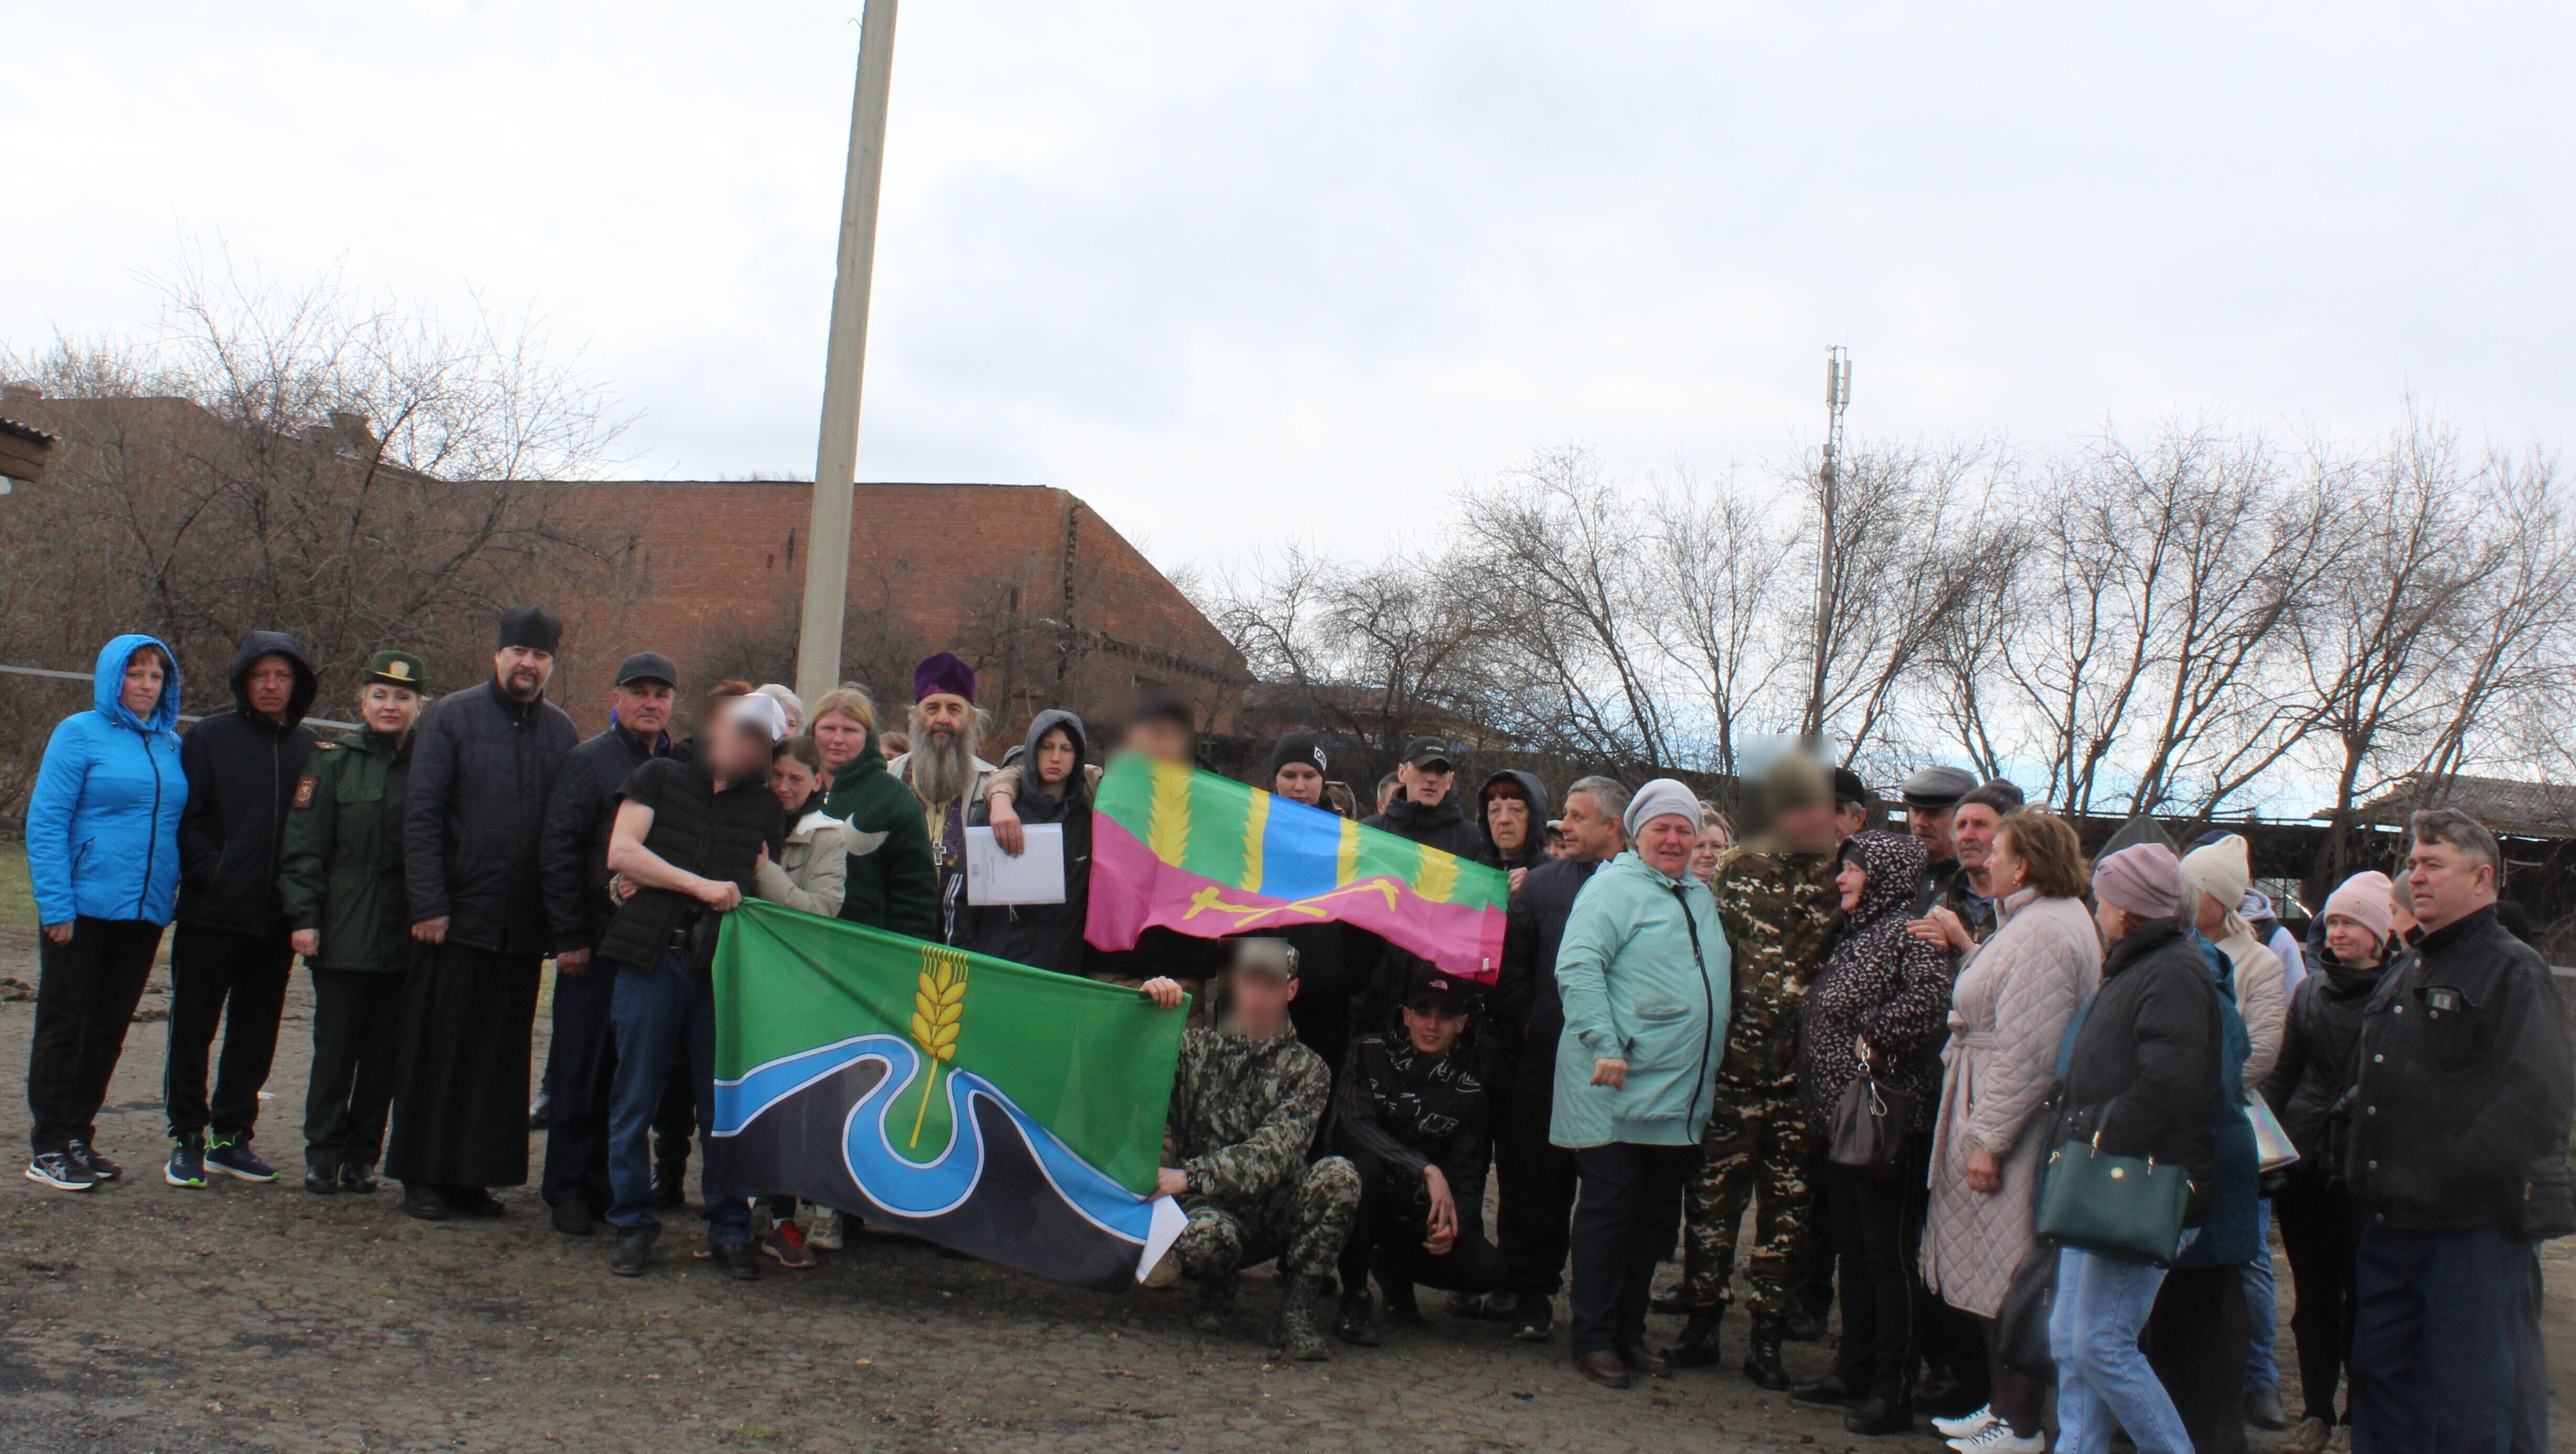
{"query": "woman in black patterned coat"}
pixel 1883 1000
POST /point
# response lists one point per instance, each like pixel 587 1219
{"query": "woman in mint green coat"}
pixel 1645 977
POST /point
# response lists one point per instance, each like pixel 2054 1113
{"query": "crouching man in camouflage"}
pixel 1246 1102
pixel 1777 899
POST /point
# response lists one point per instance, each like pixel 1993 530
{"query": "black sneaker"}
pixel 541 1111
pixel 233 1157
pixel 99 1166
pixel 56 1169
pixel 741 1260
pixel 1536 1320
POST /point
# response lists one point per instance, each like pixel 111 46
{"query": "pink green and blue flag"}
pixel 1208 856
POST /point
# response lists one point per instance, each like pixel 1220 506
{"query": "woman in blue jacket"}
pixel 103 853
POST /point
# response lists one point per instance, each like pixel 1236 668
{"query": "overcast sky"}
pixel 1224 269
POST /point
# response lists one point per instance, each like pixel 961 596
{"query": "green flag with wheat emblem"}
pixel 1008 1112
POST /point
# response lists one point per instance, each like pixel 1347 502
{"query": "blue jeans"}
pixel 658 1010
pixel 2439 1342
pixel 2102 1305
pixel 2262 1313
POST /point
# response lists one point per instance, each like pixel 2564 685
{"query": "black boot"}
pixel 1296 1334
pixel 1803 1327
pixel 1216 1299
pixel 422 1200
pixel 1832 1391
pixel 1357 1324
pixel 1401 1309
pixel 322 1179
pixel 1762 1355
pixel 1882 1413
pixel 1697 1347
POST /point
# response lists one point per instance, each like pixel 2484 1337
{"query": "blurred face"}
pixel 742 752
pixel 2005 871
pixel 1810 829
pixel 1507 818
pixel 1557 847
pixel 942 714
pixel 1159 738
pixel 2447 885
pixel 643 707
pixel 1932 825
pixel 2352 941
pixel 270 683
pixel 523 671
pixel 1664 842
pixel 1851 878
pixel 792 781
pixel 839 738
pixel 142 690
pixel 1428 784
pixel 387 708
pixel 1590 834
pixel 1055 757
pixel 1972 830
pixel 1259 1007
pixel 1706 850
pixel 1432 1028
pixel 1299 782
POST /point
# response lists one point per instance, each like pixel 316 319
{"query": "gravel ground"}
pixel 139 1318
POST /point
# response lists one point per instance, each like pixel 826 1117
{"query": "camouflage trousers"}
pixel 1303 1224
pixel 1754 1153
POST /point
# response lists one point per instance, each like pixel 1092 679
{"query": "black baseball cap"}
pixel 648 666
pixel 1424 751
pixel 1435 990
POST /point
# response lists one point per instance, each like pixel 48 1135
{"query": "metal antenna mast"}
pixel 1828 506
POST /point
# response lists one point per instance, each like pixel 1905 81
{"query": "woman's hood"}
pixel 1894 863
pixel 1534 847
pixel 107 687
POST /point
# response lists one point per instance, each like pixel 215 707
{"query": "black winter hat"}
pixel 533 627
pixel 1305 747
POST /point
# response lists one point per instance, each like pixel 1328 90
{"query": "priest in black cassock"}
pixel 483 765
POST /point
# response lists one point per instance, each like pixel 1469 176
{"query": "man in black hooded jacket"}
pixel 232 947
pixel 1425 811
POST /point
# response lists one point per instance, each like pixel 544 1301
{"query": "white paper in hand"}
pixel 1036 876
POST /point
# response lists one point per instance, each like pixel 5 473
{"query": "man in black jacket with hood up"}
pixel 2458 1159
pixel 243 767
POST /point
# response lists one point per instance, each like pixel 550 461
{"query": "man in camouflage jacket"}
pixel 1246 1101
pixel 1782 912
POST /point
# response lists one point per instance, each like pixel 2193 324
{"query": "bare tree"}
pixel 1714 549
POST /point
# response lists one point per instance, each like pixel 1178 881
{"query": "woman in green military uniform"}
pixel 342 880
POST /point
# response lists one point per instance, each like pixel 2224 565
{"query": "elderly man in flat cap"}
pixel 1931 798
pixel 483 764
pixel 944 769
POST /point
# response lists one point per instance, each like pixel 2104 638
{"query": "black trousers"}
pixel 1878 1239
pixel 2321 1231
pixel 239 981
pixel 357 1036
pixel 1394 1218
pixel 1536 1182
pixel 86 992
pixel 2195 1340
pixel 1625 1220
pixel 1816 1283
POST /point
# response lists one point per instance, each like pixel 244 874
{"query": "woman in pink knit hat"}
pixel 2320 1226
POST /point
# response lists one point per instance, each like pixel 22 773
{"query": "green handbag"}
pixel 2119 1206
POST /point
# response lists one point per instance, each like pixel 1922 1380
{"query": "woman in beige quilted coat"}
pixel 2014 997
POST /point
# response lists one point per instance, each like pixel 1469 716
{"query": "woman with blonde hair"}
pixel 2009 1010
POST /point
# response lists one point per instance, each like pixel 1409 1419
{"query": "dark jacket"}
pixel 1383 970
pixel 2463 1080
pixel 242 772
pixel 1047 936
pixel 895 888
pixel 343 872
pixel 1533 848
pixel 2316 1056
pixel 1524 1008
pixel 696 829
pixel 1881 984
pixel 482 770
pixel 583 807
pixel 1441 825
pixel 1412 1111
pixel 2147 1060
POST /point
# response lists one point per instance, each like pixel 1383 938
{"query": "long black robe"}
pixel 461 1102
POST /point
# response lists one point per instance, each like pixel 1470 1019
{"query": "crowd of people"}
pixel 1895 1050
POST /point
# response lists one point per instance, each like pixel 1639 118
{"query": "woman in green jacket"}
pixel 1646 980
pixel 897 886
pixel 342 881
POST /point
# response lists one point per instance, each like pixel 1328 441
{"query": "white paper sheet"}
pixel 1036 876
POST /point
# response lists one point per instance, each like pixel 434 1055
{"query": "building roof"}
pixel 2507 806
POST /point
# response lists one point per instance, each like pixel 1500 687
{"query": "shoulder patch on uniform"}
pixel 304 791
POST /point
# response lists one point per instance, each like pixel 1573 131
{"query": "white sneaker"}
pixel 2000 1439
pixel 826 1230
pixel 1969 1427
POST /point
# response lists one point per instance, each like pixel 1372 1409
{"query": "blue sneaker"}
pixel 233 1157
pixel 187 1164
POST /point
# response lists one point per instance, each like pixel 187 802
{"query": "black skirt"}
pixel 461 1102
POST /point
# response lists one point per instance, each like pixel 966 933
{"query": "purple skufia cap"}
pixel 945 674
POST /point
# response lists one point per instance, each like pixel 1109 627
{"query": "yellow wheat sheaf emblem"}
pixel 938 1008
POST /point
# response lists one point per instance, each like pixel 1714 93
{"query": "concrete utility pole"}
pixel 836 453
